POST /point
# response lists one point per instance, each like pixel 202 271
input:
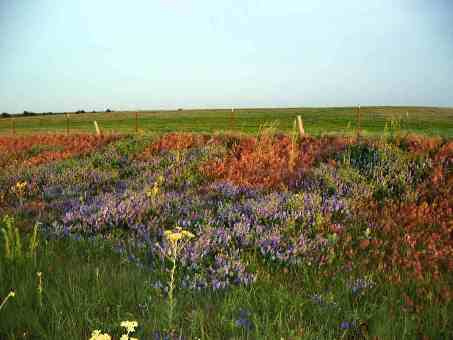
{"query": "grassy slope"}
pixel 87 287
pixel 431 121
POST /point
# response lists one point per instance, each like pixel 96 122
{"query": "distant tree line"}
pixel 31 113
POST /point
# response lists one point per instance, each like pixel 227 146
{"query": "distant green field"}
pixel 426 120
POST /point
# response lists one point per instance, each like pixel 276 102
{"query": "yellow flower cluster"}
pixel 153 191
pixel 174 237
pixel 97 335
pixel 21 185
pixel 173 251
pixel 19 188
pixel 155 188
pixel 128 325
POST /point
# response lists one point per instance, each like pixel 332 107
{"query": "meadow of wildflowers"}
pixel 227 236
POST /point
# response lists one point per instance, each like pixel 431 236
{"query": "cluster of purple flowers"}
pixel 108 211
pixel 108 194
pixel 244 320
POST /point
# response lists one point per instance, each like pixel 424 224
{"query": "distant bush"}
pixel 29 113
pixel 5 115
pixel 108 110
pixel 80 111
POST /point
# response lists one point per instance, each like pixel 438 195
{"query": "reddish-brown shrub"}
pixel 39 149
pixel 271 161
pixel 417 236
pixel 418 144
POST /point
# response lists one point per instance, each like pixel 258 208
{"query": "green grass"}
pixel 86 286
pixel 426 120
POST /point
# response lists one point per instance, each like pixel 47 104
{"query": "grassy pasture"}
pixel 425 120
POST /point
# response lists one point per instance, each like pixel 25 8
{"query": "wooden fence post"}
pixel 232 118
pixel 96 126
pixel 300 126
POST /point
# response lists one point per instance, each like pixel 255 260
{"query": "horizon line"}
pixel 230 108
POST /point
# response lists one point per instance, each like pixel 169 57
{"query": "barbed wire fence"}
pixel 362 119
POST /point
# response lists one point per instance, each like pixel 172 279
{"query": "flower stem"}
pixel 11 294
pixel 171 288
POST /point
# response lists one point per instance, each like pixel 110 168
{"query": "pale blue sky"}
pixel 91 54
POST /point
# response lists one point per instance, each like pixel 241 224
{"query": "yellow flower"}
pixel 126 337
pixel 12 293
pixel 153 191
pixel 97 335
pixel 19 188
pixel 187 234
pixel 129 325
pixel 21 185
pixel 174 237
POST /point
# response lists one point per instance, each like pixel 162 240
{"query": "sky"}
pixel 72 55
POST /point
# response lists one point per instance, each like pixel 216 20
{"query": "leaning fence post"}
pixel 96 126
pixel 300 126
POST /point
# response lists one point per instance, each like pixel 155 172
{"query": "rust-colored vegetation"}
pixel 39 149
